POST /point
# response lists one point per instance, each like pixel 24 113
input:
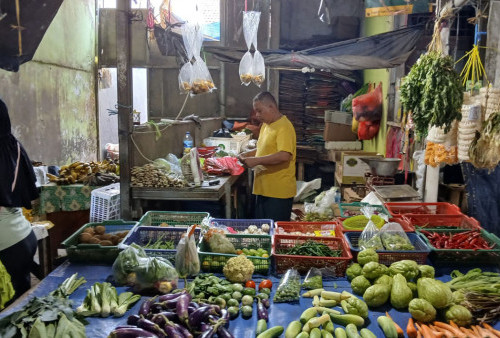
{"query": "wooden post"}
pixel 125 120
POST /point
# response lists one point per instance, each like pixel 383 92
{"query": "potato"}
pixel 106 237
pixel 115 239
pixel 85 237
pixel 100 229
pixel 89 230
pixel 106 243
pixel 94 240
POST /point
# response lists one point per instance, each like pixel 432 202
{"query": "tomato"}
pixel 265 284
pixel 250 284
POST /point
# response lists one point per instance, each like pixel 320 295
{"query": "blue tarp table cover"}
pixel 279 313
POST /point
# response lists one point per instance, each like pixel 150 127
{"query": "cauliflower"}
pixel 238 269
pixel 266 227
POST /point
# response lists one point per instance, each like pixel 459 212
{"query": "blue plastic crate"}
pixel 388 257
pixel 142 235
pixel 242 224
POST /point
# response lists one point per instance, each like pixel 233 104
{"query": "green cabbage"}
pixel 435 292
pixel 408 268
pixel 377 295
pixel 401 294
pixel 426 271
pixel 355 306
pixel 459 314
pixel 359 285
pixel 422 310
pixel 354 270
pixel 374 270
pixel 367 255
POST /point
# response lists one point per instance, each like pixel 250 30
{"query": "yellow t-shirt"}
pixel 276 181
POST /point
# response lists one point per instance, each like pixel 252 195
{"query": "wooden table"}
pixel 204 193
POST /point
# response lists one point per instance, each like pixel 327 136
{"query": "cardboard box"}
pixel 228 144
pixel 338 132
pixel 352 169
pixel 338 117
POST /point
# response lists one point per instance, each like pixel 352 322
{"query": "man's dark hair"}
pixel 265 97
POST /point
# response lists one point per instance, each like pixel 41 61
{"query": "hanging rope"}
pixel 19 28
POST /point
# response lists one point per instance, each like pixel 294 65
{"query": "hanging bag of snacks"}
pixel 186 72
pixel 247 73
pixel 202 80
pixel 258 66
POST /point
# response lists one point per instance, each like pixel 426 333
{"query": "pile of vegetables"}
pixel 310 248
pixel 440 329
pixel 160 244
pixel 469 240
pixel 98 235
pixel 49 316
pixel 103 300
pixel 175 315
pixel 484 151
pixel 433 93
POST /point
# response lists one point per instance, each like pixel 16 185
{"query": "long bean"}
pixel 311 248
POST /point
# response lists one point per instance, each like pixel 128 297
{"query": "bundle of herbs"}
pixel 433 93
pixel 49 316
pixel 484 151
pixel 311 248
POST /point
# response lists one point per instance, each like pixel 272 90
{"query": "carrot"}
pixel 398 328
pixel 475 330
pixel 428 332
pixel 441 331
pixel 491 329
pixel 449 328
pixel 469 333
pixel 419 335
pixel 452 323
pixel 410 329
pixel 485 333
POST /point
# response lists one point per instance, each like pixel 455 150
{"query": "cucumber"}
pixel 347 319
pixel 365 333
pixel 302 335
pixel 329 327
pixel 308 314
pixel 352 331
pixel 273 332
pixel 326 334
pixel 261 326
pixel 293 329
pixel 340 333
pixel 387 326
pixel 315 333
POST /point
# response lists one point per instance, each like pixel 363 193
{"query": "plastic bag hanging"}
pixel 258 65
pixel 251 70
pixel 186 72
pixel 201 79
pixel 187 262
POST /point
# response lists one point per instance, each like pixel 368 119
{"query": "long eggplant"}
pixel 182 329
pixel 205 327
pixel 156 308
pixel 198 316
pixel 132 319
pixel 146 306
pixel 131 333
pixel 194 304
pixel 222 332
pixel 170 296
pixel 171 331
pixel 266 303
pixel 182 307
pixel 262 311
pixel 171 316
pixel 125 327
pixel 169 304
pixel 224 315
pixel 208 333
pixel 151 327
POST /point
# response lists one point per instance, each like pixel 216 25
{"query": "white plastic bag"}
pixel 370 236
pixel 394 238
pixel 245 69
pixel 322 203
pixel 187 262
pixel 252 67
pixel 258 69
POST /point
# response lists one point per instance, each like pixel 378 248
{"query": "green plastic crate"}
pixel 214 262
pixel 96 253
pixel 463 257
pixel 179 219
pixel 354 209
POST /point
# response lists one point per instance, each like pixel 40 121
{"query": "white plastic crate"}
pixel 105 203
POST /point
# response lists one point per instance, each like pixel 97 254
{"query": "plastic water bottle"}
pixel 188 142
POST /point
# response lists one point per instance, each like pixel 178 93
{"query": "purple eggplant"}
pixel 182 329
pixel 151 327
pixel 171 331
pixel 171 316
pixel 266 303
pixel 170 296
pixel 262 311
pixel 198 316
pixel 156 308
pixel 208 333
pixel 132 319
pixel 224 315
pixel 217 310
pixel 194 304
pixel 125 327
pixel 169 304
pixel 182 307
pixel 191 309
pixel 146 306
pixel 205 327
pixel 222 332
pixel 131 332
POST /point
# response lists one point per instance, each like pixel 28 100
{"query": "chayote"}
pixel 355 306
pixel 458 297
pixel 354 270
pixel 367 255
pixel 384 279
pixel 377 295
pixel 406 267
pixel 459 314
pixel 413 288
pixel 401 294
pixel 426 271
pixel 360 284
pixel 374 270
pixel 422 310
pixel 435 292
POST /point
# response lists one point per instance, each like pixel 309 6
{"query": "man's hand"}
pixel 251 161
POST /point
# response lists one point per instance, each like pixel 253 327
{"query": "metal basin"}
pixel 382 166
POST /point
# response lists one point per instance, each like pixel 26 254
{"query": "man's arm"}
pixel 249 153
pixel 273 159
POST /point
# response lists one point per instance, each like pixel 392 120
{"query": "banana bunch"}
pixel 77 172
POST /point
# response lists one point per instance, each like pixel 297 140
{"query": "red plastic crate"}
pixel 305 227
pixel 403 221
pixel 439 208
pixel 338 265
pixel 442 221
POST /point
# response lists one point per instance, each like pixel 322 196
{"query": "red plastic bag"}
pixel 368 130
pixel 368 107
pixel 223 165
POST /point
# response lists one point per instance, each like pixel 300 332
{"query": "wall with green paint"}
pixel 51 99
pixel 372 26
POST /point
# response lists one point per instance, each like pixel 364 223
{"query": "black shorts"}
pixel 277 209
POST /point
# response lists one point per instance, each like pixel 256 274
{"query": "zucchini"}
pixel 318 321
pixel 302 335
pixel 388 327
pixel 352 331
pixel 308 314
pixel 315 333
pixel 329 327
pixel 347 319
pixel 326 334
pixel 293 329
pixel 273 332
pixel 312 293
pixel 340 333
pixel 327 310
pixel 261 326
pixel 365 333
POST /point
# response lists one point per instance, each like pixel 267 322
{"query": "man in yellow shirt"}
pixel 274 185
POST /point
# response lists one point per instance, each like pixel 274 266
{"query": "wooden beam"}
pixel 124 84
